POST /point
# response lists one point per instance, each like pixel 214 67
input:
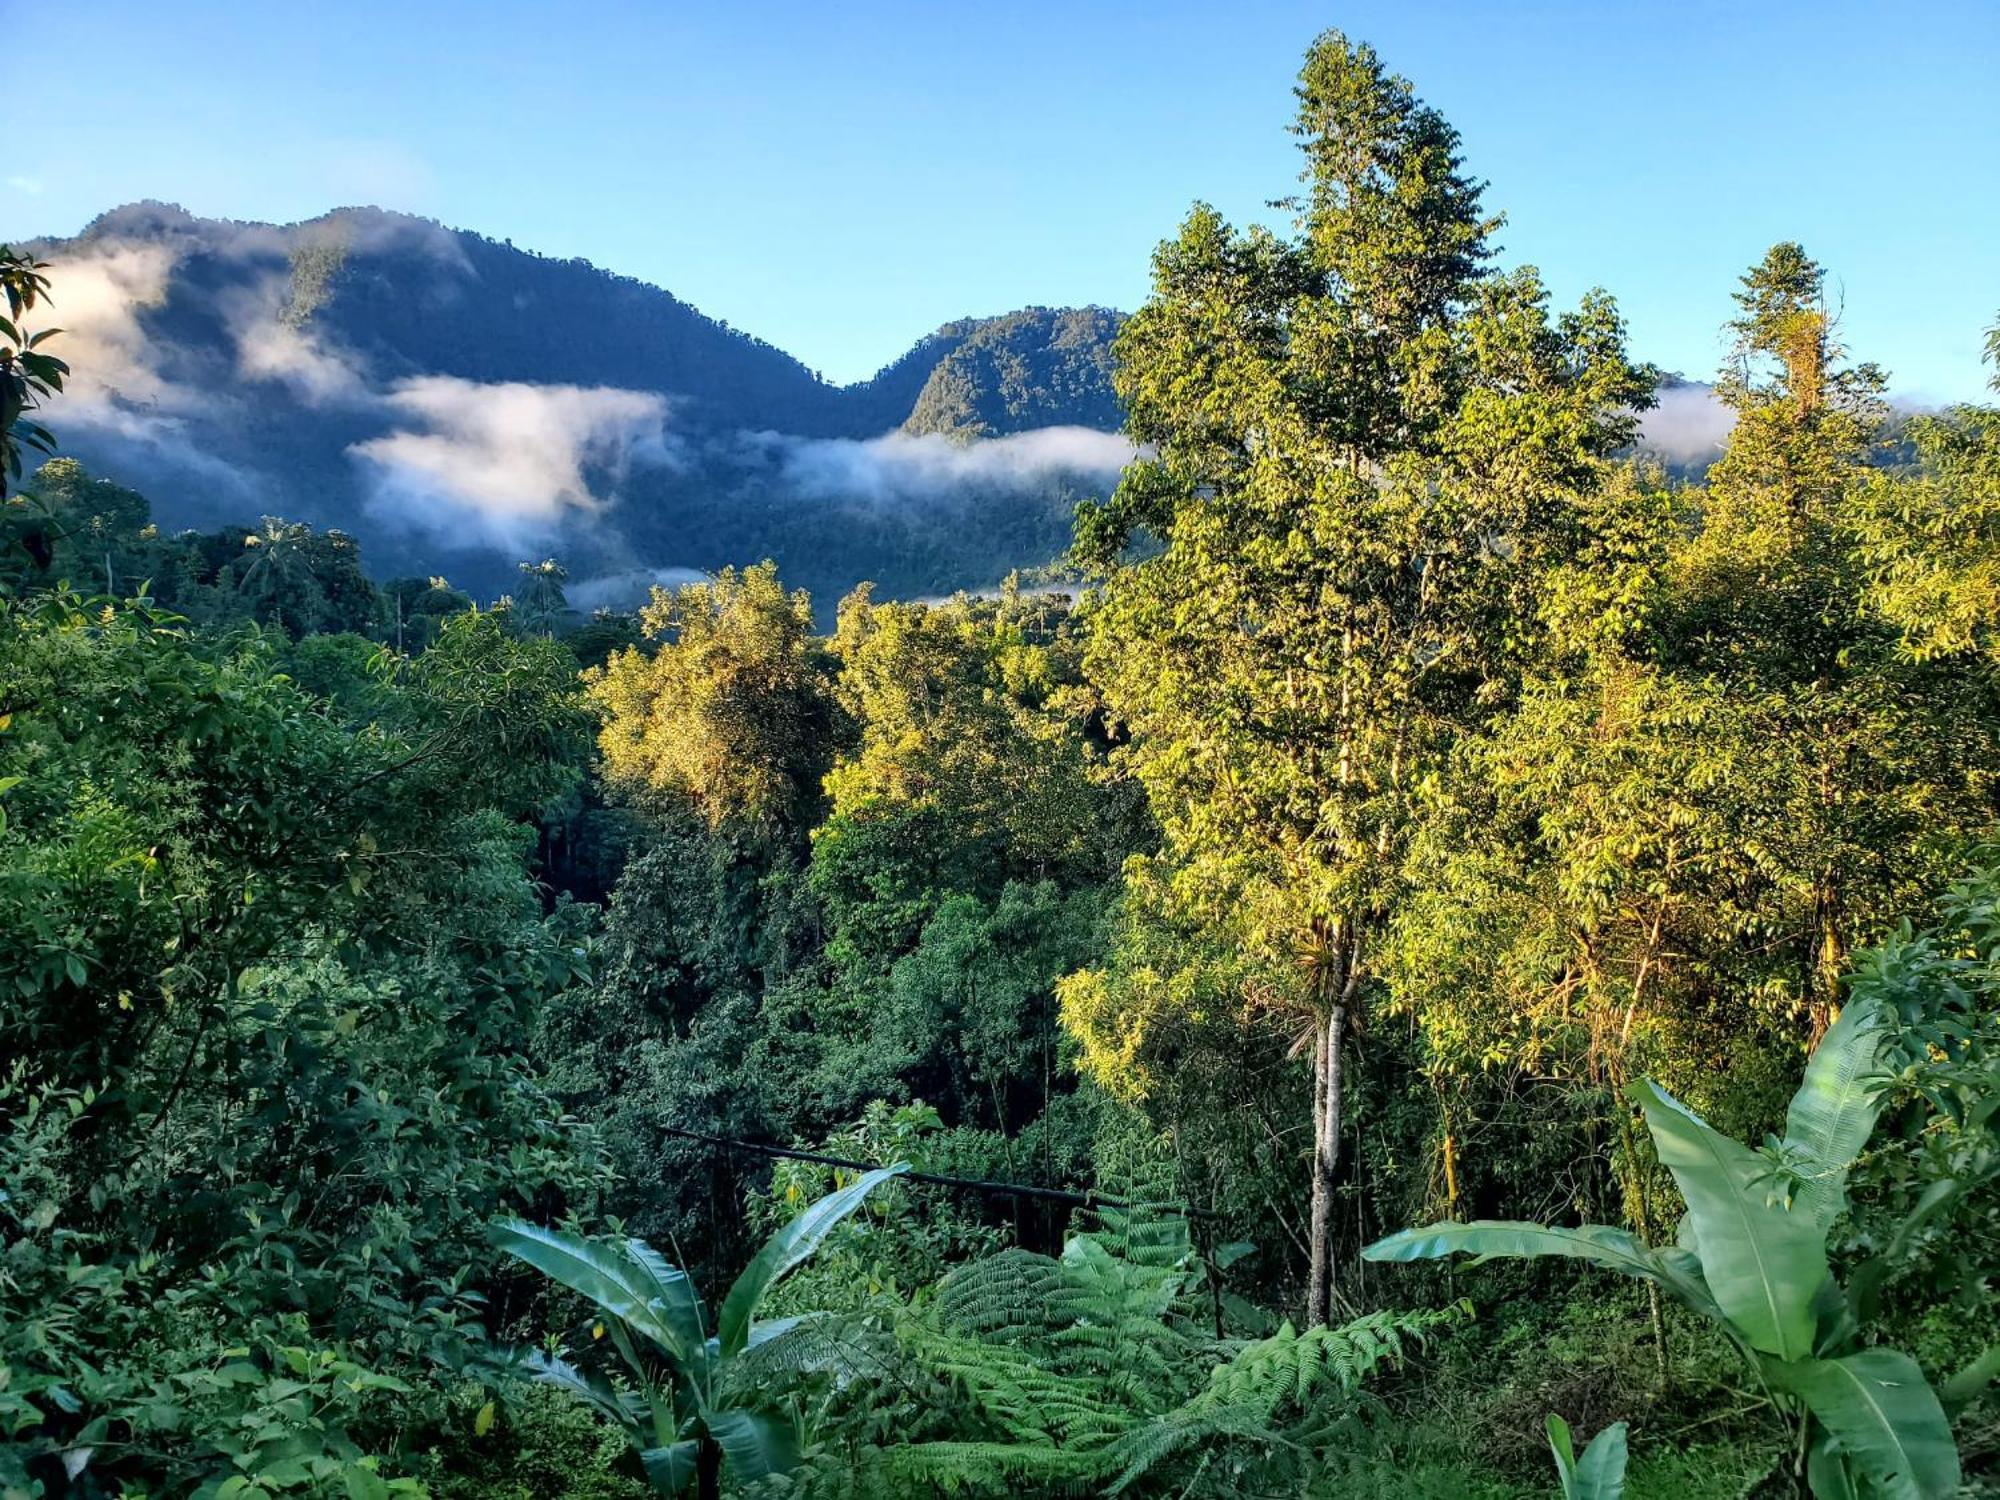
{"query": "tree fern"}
pixel 1291 1368
pixel 1247 1396
pixel 1091 1374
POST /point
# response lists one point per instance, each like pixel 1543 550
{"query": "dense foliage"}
pixel 1045 1012
pixel 1040 367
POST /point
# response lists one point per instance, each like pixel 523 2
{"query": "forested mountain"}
pixel 1036 1043
pixel 1035 368
pixel 458 404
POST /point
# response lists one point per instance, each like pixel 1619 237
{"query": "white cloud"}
pixel 630 588
pixel 96 298
pixel 899 466
pixel 115 391
pixel 32 186
pixel 268 347
pixel 1689 426
pixel 507 461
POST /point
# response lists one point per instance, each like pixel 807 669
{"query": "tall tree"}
pixel 1366 449
pixel 541 604
pixel 1760 731
pixel 732 714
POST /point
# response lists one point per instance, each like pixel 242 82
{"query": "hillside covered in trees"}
pixel 456 404
pixel 1447 960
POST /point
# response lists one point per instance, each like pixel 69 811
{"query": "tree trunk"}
pixel 1326 1160
pixel 708 1470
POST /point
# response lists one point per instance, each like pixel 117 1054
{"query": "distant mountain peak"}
pixel 1038 367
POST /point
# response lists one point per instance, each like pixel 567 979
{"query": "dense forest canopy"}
pixel 1054 1040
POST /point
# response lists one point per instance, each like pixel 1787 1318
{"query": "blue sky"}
pixel 842 177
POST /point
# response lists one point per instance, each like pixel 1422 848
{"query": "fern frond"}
pixel 1011 1293
pixel 995 1468
pixel 1289 1368
pixel 1247 1397
pixel 831 1347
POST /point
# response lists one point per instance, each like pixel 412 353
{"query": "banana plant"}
pixel 685 1416
pixel 1600 1473
pixel 1752 1257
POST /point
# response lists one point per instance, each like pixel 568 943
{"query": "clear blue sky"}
pixel 840 177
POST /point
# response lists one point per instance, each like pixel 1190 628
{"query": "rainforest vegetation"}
pixel 1440 960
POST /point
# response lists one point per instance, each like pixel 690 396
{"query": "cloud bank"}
pixel 629 588
pixel 1689 426
pixel 473 463
pixel 96 299
pixel 176 356
pixel 899 466
pixel 505 462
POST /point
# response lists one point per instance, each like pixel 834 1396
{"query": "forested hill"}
pixel 1028 369
pixel 459 404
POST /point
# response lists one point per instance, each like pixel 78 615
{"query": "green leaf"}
pixel 621 1407
pixel 628 1290
pixel 766 1329
pixel 670 1468
pixel 1565 1452
pixel 1833 1113
pixel 754 1444
pixel 1601 1474
pixel 1965 1387
pixel 1675 1271
pixel 673 1293
pixel 786 1249
pixel 1763 1262
pixel 1881 1413
pixel 1827 1471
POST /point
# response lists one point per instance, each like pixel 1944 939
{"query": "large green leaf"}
pixel 1833 1113
pixel 1600 1474
pixel 754 1444
pixel 674 1294
pixel 785 1249
pixel 1764 1261
pixel 1884 1418
pixel 625 1408
pixel 1828 1473
pixel 670 1468
pixel 1674 1270
pixel 1970 1383
pixel 625 1288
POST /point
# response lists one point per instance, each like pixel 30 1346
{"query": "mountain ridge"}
pixel 459 402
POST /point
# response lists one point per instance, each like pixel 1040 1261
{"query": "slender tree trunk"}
pixel 1326 1161
pixel 1826 961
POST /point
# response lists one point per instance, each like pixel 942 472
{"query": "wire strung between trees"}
pixel 967 1184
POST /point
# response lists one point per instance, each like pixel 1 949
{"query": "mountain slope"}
pixel 459 403
pixel 1039 367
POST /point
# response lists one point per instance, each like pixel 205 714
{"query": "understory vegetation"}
pixel 1053 1043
